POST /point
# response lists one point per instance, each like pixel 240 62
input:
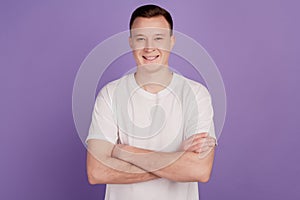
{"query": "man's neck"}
pixel 153 81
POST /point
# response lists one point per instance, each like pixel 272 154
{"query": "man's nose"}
pixel 149 46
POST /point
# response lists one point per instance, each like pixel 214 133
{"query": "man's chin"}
pixel 152 67
pixel 151 62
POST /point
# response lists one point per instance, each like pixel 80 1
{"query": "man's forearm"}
pixel 116 171
pixel 103 169
pixel 176 166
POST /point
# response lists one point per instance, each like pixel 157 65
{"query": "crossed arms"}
pixel 122 164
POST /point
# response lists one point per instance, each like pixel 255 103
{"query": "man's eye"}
pixel 158 38
pixel 140 39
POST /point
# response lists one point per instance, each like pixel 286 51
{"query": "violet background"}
pixel 255 45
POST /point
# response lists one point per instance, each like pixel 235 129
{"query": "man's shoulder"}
pixel 194 85
pixel 108 89
pixel 116 82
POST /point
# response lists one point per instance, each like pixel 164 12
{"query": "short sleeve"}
pixel 200 116
pixel 103 125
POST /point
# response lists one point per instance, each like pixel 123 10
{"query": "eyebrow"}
pixel 157 34
pixel 137 35
pixel 160 34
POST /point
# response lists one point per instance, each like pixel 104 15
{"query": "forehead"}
pixel 152 22
pixel 153 31
pixel 150 26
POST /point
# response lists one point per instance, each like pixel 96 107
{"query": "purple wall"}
pixel 254 44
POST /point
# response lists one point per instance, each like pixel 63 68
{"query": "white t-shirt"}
pixel 126 113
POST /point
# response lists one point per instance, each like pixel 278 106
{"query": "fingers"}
pixel 199 135
pixel 204 149
pixel 200 144
pixel 195 138
pixel 203 154
pixel 194 147
pixel 207 146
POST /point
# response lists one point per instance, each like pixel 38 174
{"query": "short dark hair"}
pixel 149 11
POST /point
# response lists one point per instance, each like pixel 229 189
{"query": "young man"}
pixel 152 133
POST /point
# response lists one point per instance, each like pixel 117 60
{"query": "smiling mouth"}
pixel 150 58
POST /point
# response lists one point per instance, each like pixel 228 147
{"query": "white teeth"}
pixel 150 58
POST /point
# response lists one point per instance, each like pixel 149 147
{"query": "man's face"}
pixel 151 41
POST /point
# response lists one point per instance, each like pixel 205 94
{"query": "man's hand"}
pixel 198 143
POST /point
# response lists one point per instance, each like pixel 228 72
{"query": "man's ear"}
pixel 130 42
pixel 173 40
